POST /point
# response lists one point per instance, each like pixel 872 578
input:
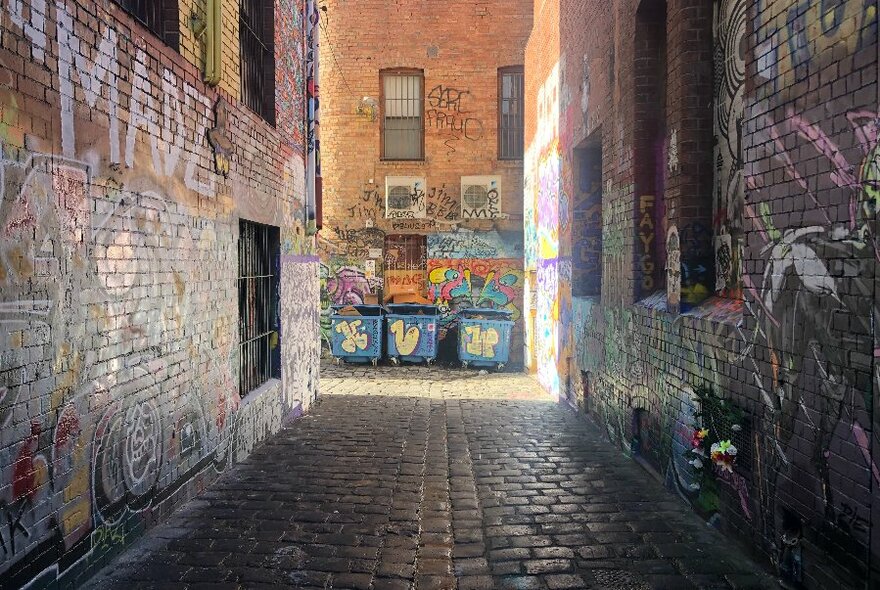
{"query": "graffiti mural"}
pixel 730 31
pixel 465 283
pixel 118 317
pixel 785 331
pixel 290 82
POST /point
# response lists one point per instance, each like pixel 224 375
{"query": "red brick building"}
pixel 158 291
pixel 422 154
pixel 701 183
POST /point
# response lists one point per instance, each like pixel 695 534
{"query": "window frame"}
pixel 262 365
pixel 401 72
pixel 266 38
pixel 168 31
pixel 502 72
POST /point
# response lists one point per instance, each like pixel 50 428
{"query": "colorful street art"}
pixel 544 165
pixel 119 352
pixel 789 336
pixel 456 284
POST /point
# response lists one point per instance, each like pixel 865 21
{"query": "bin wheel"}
pixel 395 361
pixel 337 360
pixel 429 361
pixel 465 364
pixel 499 367
pixel 375 362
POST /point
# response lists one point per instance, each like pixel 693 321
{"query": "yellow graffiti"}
pixel 482 342
pixel 406 341
pixel 106 536
pixel 354 338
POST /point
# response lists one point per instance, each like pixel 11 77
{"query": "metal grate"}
pixel 258 249
pixel 256 38
pixel 399 198
pixel 402 122
pixel 511 87
pixel 475 197
pixel 159 16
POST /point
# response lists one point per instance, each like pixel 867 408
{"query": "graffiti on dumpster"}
pixel 408 338
pixel 354 336
pixel 481 341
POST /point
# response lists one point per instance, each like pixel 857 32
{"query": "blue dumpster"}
pixel 484 337
pixel 413 332
pixel 356 333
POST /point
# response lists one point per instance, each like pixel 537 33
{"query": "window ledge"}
pixel 510 163
pixel 403 162
pixel 257 393
pixel 715 309
pixel 719 310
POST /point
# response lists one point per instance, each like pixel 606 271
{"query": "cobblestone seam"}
pixel 384 568
pixel 470 558
pixel 434 556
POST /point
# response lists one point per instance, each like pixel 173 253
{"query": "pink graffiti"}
pixel 739 485
pixel 865 446
pixel 348 287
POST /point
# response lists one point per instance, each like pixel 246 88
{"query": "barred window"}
pixel 256 31
pixel 258 321
pixel 403 129
pixel 162 17
pixel 511 113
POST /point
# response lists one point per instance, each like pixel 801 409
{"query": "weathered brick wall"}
pixel 779 226
pixel 460 48
pixel 192 47
pixel 119 394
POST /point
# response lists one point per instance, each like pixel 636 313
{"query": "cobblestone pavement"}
pixel 424 478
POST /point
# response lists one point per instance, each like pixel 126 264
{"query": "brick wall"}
pixel 459 48
pixel 192 47
pixel 119 365
pixel 758 197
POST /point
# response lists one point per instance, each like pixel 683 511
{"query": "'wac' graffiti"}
pixel 462 284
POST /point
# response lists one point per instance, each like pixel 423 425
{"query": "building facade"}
pixel 423 153
pixel 156 276
pixel 700 221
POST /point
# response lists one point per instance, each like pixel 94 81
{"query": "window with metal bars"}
pixel 256 31
pixel 511 112
pixel 403 129
pixel 258 321
pixel 162 17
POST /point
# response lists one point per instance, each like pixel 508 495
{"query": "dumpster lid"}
pixel 485 314
pixel 412 309
pixel 355 310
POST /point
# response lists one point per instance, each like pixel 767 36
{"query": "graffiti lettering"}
pixel 481 341
pixel 646 239
pixel 355 338
pixel 447 116
pixel 406 338
pixel 447 98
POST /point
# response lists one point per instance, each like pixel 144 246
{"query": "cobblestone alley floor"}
pixel 426 478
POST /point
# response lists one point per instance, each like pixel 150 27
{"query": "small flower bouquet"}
pixel 714 418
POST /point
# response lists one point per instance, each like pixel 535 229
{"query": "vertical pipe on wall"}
pixel 313 118
pixel 214 42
